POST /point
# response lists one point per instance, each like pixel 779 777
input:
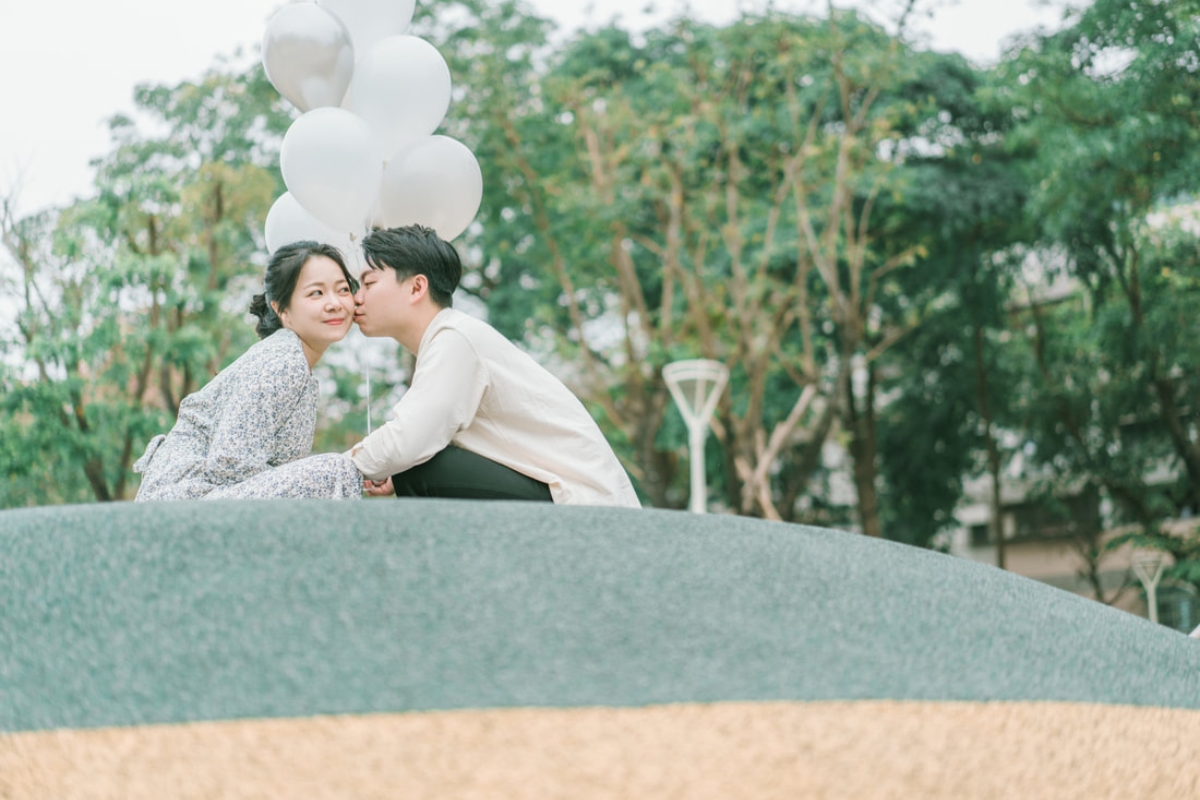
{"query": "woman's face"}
pixel 322 306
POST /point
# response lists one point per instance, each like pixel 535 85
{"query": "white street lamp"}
pixel 696 386
pixel 1148 565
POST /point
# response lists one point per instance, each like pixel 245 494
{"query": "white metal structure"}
pixel 696 385
pixel 1148 565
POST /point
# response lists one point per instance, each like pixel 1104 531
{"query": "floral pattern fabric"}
pixel 248 434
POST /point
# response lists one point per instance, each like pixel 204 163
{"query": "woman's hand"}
pixel 378 488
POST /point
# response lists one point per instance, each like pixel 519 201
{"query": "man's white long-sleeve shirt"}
pixel 474 388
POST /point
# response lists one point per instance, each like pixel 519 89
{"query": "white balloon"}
pixel 435 182
pixel 372 20
pixel 288 222
pixel 376 215
pixel 401 88
pixel 332 165
pixel 307 55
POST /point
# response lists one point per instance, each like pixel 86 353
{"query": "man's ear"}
pixel 420 286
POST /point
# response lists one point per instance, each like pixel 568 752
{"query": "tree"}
pixel 1108 108
pixel 950 383
pixel 130 300
pixel 704 192
pixel 1112 103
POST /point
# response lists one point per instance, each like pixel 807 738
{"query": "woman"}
pixel 247 432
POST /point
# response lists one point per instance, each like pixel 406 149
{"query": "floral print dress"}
pixel 247 433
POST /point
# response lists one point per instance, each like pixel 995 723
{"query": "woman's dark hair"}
pixel 282 274
pixel 416 250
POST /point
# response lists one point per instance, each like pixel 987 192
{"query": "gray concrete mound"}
pixel 134 614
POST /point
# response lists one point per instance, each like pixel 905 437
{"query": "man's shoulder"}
pixel 472 329
pixel 454 319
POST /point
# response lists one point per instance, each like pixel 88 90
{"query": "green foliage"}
pixel 1103 116
pixel 132 299
pixel 952 376
pixel 704 191
pixel 951 264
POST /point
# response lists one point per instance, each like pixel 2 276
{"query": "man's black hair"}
pixel 416 250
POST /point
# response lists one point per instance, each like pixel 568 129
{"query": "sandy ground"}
pixel 844 750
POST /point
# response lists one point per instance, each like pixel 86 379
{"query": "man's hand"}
pixel 379 488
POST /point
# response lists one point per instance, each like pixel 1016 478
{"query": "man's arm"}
pixel 447 388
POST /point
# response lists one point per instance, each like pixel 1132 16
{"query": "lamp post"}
pixel 696 385
pixel 1148 565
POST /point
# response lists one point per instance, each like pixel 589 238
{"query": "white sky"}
pixel 67 66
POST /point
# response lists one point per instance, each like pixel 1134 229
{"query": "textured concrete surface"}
pixel 124 615
pixel 841 751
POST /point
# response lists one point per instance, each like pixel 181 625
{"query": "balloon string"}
pixel 367 371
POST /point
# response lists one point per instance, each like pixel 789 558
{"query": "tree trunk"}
pixel 864 449
pixel 658 467
pixel 993 451
pixel 1184 448
pixel 807 459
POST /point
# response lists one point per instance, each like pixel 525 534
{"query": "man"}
pixel 480 418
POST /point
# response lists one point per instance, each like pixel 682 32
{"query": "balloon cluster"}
pixel 363 152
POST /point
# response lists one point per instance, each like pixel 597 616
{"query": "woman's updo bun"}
pixel 268 320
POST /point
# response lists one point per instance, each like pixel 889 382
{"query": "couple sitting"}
pixel 481 419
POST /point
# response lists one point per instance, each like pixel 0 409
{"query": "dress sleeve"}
pixel 260 398
pixel 446 390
